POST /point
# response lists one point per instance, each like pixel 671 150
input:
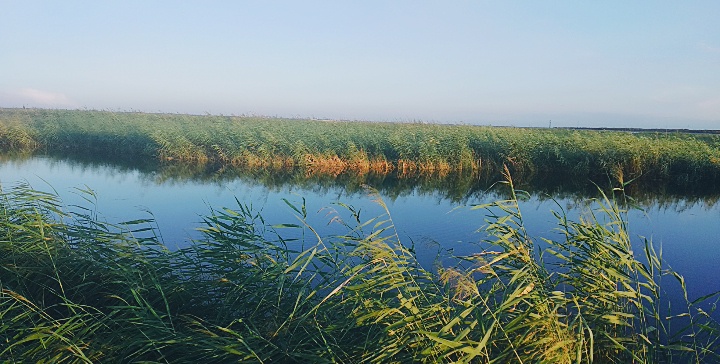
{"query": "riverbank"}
pixel 329 147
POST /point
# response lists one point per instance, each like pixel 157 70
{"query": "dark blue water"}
pixel 687 230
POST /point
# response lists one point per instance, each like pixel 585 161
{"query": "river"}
pixel 427 215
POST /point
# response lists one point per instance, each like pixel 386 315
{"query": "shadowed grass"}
pixel 76 289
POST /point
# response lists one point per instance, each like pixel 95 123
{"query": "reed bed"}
pixel 329 147
pixel 76 289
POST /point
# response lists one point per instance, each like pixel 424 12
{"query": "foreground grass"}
pixel 361 147
pixel 76 289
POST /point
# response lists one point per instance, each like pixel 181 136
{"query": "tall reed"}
pixel 329 147
pixel 76 289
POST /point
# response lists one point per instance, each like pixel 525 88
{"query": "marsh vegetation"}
pixel 332 148
pixel 78 289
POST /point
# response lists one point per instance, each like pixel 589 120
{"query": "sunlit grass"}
pixel 328 147
pixel 77 289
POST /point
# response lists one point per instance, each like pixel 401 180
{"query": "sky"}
pixel 524 63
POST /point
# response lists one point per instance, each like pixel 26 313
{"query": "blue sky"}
pixel 523 63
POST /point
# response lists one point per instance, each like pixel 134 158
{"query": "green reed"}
pixel 330 147
pixel 76 289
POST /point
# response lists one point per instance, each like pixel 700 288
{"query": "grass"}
pixel 331 148
pixel 75 289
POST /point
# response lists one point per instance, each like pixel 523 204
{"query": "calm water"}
pixel 429 215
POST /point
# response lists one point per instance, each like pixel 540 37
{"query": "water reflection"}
pixel 457 188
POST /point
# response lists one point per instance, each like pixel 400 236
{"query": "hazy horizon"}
pixel 610 64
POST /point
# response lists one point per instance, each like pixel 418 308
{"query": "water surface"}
pixel 426 213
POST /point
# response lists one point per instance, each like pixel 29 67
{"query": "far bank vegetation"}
pixel 331 147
